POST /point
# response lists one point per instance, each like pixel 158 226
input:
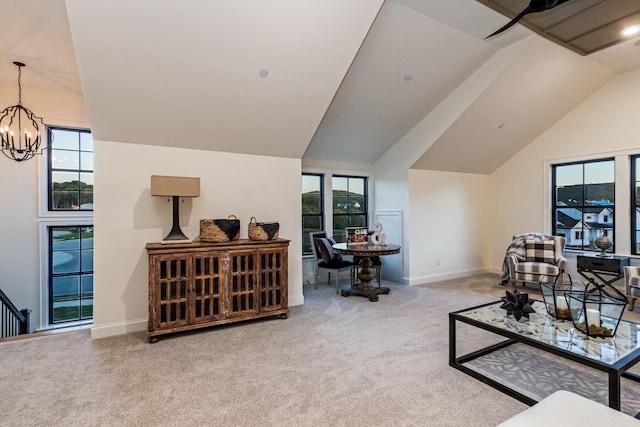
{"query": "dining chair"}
pixel 326 259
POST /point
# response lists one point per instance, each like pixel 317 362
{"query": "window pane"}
pixel 599 172
pixel 86 160
pixel 340 222
pixel 87 260
pixel 310 183
pixel 357 221
pixel 66 238
pixel 340 203
pixel 339 184
pixel 87 238
pixel 311 203
pixel 86 141
pixel 65 301
pixel 356 185
pixel 65 139
pixel 65 159
pixel 568 175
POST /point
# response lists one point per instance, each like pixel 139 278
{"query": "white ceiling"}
pixel 187 74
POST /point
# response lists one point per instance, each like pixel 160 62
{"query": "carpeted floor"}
pixel 334 362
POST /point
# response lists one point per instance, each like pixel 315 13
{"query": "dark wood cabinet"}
pixel 199 284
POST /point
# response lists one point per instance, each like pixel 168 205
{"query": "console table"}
pixel 593 267
pixel 196 285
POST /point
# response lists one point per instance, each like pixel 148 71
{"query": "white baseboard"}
pixel 120 328
pixel 447 276
pixel 296 300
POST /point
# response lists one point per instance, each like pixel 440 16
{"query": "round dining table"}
pixel 366 251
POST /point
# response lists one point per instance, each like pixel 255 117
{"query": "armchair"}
pixel 533 257
pixel 632 284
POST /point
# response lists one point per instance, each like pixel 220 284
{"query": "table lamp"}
pixel 176 187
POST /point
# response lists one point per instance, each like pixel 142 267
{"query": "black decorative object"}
pixel 517 304
pixel 534 6
pixel 20 128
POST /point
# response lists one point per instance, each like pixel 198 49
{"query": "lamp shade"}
pixel 175 186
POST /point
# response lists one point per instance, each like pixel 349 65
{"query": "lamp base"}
pixel 176 235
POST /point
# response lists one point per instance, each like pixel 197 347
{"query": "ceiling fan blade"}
pixel 509 24
pixel 534 6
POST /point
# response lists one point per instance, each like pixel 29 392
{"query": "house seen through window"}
pixel 583 201
pixel 348 203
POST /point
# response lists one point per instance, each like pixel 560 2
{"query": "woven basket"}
pixel 263 230
pixel 219 230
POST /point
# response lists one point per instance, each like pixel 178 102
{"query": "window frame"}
pixel 555 207
pixel 321 214
pixel 51 276
pixel 328 174
pixel 47 218
pixel 51 169
pixel 338 236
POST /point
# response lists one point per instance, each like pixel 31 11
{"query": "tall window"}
pixel 70 246
pixel 635 205
pixel 350 204
pixel 70 274
pixel 583 201
pixel 312 208
pixel 70 170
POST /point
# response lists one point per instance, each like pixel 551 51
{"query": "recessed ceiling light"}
pixel 264 72
pixel 631 30
pixel 408 77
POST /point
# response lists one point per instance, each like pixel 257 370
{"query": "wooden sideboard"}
pixel 197 285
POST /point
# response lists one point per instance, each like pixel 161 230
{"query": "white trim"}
pixel 432 278
pixel 118 328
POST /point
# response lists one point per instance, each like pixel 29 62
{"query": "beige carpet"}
pixel 334 362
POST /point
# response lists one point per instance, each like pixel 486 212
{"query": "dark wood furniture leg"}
pixel 364 288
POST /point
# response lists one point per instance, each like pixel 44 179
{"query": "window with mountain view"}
pixel 312 208
pixel 350 204
pixel 583 201
pixel 70 170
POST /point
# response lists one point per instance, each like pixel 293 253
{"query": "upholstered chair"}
pixel 539 259
pixel 326 259
pixel 632 284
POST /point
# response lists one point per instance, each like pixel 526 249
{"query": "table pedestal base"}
pixel 370 292
pixel 364 288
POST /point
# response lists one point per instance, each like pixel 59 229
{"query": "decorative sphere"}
pixel 603 243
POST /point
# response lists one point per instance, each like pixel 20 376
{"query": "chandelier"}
pixel 20 137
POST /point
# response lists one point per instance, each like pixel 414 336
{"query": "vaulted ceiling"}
pixel 337 80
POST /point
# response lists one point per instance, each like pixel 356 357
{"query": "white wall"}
pixel 127 217
pixel 448 224
pixel 605 124
pixel 20 262
pixel 394 179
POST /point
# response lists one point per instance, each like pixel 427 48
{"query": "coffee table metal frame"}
pixel 614 371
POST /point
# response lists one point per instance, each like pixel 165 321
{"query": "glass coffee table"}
pixel 611 355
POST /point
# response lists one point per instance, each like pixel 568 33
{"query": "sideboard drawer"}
pixel 611 263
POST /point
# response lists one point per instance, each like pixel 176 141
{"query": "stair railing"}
pixel 12 321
